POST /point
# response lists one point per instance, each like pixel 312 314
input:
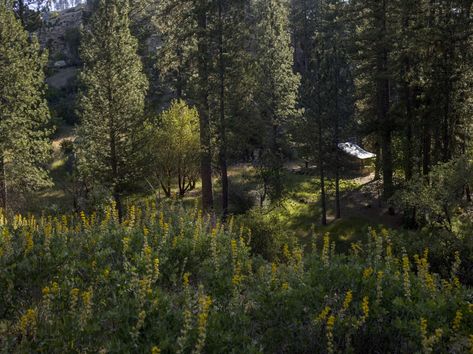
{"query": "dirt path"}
pixel 365 202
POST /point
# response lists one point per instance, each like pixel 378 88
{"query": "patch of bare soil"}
pixel 366 202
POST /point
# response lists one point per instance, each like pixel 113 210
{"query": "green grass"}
pixel 299 213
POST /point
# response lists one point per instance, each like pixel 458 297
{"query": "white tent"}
pixel 356 151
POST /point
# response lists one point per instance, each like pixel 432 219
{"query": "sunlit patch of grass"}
pixel 58 163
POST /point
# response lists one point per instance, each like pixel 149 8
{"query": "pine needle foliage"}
pixel 111 104
pixel 24 114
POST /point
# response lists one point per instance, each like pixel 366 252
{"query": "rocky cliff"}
pixel 60 33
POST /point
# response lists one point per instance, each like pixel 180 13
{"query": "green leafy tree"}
pixel 186 27
pixel 111 103
pixel 434 199
pixel 24 143
pixel 174 145
pixel 205 59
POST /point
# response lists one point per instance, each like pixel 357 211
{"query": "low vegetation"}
pixel 168 279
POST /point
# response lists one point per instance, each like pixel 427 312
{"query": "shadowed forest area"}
pixel 236 176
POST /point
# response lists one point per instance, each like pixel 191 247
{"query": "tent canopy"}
pixel 356 151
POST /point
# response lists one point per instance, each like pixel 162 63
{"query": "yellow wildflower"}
pixel 457 320
pixel 365 307
pixel 331 321
pixel 29 243
pixel 156 268
pixel 330 325
pixel 406 270
pixel 204 304
pixel 55 288
pixel 367 272
pixel 323 315
pixel 185 279
pixel 348 300
pixel 286 253
pixel 74 298
pixel 28 322
pixel 46 291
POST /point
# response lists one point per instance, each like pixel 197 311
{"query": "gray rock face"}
pixel 62 77
pixel 60 34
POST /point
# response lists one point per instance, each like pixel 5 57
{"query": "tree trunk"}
pixel 3 185
pixel 223 140
pixel 21 12
pixel 166 188
pixel 407 96
pixel 338 213
pixel 205 139
pixel 426 146
pixel 383 101
pixel 377 163
pixel 114 164
pixel 468 193
pixel 118 203
pixel 322 178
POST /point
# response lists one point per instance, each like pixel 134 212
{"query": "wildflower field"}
pixel 169 280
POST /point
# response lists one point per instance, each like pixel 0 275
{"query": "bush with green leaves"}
pixel 434 199
pixel 170 280
pixel 173 143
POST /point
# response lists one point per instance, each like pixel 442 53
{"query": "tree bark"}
pixel 21 12
pixel 338 212
pixel 223 140
pixel 377 164
pixel 383 102
pixel 408 100
pixel 426 146
pixel 322 177
pixel 205 140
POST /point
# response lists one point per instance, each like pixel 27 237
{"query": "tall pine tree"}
pixel 112 102
pixel 278 88
pixel 24 145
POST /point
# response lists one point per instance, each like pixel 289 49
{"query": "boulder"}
pixel 60 64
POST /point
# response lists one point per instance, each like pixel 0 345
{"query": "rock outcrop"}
pixel 60 34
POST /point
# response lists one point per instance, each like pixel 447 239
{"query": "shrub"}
pixel 240 198
pixel 168 279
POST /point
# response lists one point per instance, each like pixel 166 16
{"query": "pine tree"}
pixel 201 14
pixel 321 34
pixel 278 88
pixel 374 42
pixel 112 101
pixel 332 44
pixel 24 144
pixel 229 43
pixel 205 60
pixel 186 26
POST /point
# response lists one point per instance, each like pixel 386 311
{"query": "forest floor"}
pixel 299 212
pixel 365 202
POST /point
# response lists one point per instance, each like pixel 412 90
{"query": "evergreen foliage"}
pixel 24 114
pixel 112 101
pixel 277 89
